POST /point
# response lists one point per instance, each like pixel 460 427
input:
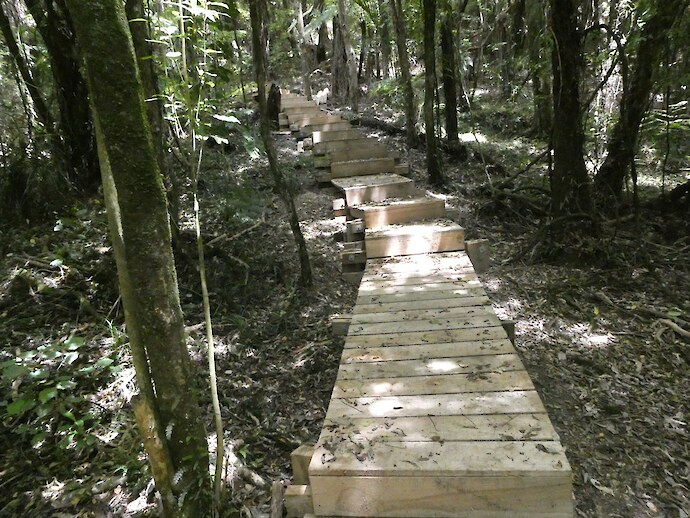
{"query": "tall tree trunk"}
pixel 362 50
pixel 140 232
pixel 433 160
pixel 306 84
pixel 569 183
pixel 40 106
pixel 448 73
pixel 384 40
pixel 321 52
pixel 75 124
pixel 281 185
pixel 404 64
pixel 339 71
pixel 352 84
pixel 635 101
pixel 141 38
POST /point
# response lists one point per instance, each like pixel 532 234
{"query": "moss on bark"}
pixel 141 236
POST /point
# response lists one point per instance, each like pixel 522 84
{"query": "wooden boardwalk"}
pixel 433 413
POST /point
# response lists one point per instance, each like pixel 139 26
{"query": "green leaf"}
pixel 19 406
pixel 56 263
pixel 12 370
pixel 74 342
pixel 47 394
pixel 38 439
pixel 104 362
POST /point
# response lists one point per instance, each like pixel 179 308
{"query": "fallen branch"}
pixel 504 183
pixel 675 327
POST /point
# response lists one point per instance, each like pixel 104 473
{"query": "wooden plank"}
pixel 299 460
pixel 432 366
pixel 422 314
pixel 446 291
pixel 446 384
pixel 373 150
pixel 412 285
pixel 422 278
pixel 321 148
pixel 362 167
pixel 361 189
pixel 491 427
pixel 426 337
pixel 542 496
pixel 319 118
pixel 399 211
pixel 298 500
pixel 522 459
pixel 456 302
pixel 443 261
pixel 309 129
pixel 420 238
pixel 330 136
pixel 430 324
pixel 427 351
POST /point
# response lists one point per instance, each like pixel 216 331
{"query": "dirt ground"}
pixel 600 331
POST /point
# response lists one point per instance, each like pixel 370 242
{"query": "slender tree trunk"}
pixel 154 107
pixel 570 193
pixel 635 101
pixel 449 74
pixel 140 232
pixel 384 40
pixel 433 160
pixel 40 106
pixel 339 71
pixel 281 185
pixel 352 84
pixel 321 52
pixel 306 84
pixel 74 122
pixel 362 50
pixel 404 64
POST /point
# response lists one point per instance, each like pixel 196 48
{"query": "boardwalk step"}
pixel 362 189
pixel 362 167
pixel 319 118
pixel 368 150
pixel 322 148
pixel 394 211
pixel 420 238
pixel 309 129
pixel 330 136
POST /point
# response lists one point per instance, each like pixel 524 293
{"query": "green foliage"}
pixel 46 404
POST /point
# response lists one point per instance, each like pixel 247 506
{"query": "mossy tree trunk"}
pixel 74 118
pixel 404 63
pixel 154 107
pixel 265 127
pixel 570 186
pixel 384 40
pixel 140 232
pixel 433 160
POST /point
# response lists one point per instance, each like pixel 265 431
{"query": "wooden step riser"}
pixel 387 246
pixel 376 217
pixel 331 136
pixel 355 196
pixel 362 167
pixel 323 148
pixel 309 129
pixel 440 497
pixel 316 119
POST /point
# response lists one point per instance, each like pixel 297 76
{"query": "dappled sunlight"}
pixel 473 137
pixel 583 335
pixel 320 229
pixel 437 366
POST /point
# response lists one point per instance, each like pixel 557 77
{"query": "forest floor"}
pixel 602 326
